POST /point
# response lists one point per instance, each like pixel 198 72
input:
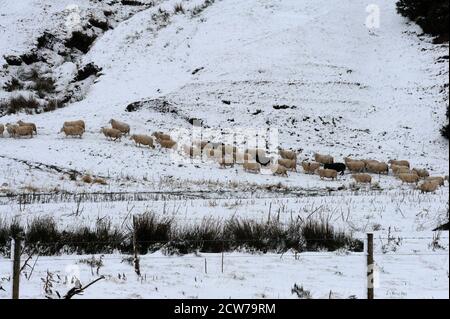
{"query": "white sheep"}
pixel 323 159
pixel 362 178
pixel 32 125
pixel 310 167
pixel 121 126
pixel 252 167
pixel 72 130
pixel 141 139
pixel 327 173
pixel 399 162
pixel 111 133
pixel 288 154
pixel 23 131
pixel 289 164
pixel 75 123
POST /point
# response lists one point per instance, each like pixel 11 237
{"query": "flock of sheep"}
pixel 253 160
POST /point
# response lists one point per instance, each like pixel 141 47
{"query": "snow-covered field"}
pixel 349 91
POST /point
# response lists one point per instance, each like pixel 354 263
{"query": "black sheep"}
pixel 340 167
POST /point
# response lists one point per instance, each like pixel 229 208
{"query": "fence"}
pixel 368 254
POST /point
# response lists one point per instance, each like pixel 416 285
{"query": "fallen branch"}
pixel 76 291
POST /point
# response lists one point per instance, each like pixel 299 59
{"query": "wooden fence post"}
pixel 370 267
pixel 137 267
pixel 16 250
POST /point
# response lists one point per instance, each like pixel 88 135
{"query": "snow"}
pixel 355 91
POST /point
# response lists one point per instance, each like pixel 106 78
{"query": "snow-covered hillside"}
pixel 310 70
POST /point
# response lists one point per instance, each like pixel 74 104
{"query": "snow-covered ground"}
pixel 350 91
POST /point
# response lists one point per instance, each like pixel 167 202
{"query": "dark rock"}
pixel 88 70
pixel 13 60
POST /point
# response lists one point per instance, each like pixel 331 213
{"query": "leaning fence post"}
pixel 16 243
pixel 370 267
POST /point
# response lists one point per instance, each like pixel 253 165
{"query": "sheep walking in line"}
pixel 323 159
pixel 75 123
pixel 398 169
pixel 124 128
pixel 354 166
pixel 310 167
pixel 252 167
pixel 111 133
pixel 399 163
pixel 288 154
pixel 421 172
pixel 377 167
pixel 327 173
pixel 32 125
pixel 279 170
pixel 440 180
pixel 141 139
pixel 429 186
pixel 289 164
pixel 160 136
pixel 409 178
pixel 11 129
pixel 362 178
pixel 19 131
pixel 167 144
pixel 74 131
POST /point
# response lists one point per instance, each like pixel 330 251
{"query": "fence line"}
pixel 64 197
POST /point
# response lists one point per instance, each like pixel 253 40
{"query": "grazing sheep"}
pixel 2 129
pixel 423 173
pixel 289 164
pixel 362 178
pixel 409 178
pixel 160 136
pixel 287 154
pixel 32 125
pixel 120 126
pixel 377 167
pixel 327 173
pixel 11 129
pixel 440 180
pixel 339 167
pixel 73 130
pixel 75 123
pixel 141 139
pixel 355 166
pixel 398 169
pixel 167 143
pixel 323 159
pixel 252 167
pixel 310 167
pixel 399 163
pixel 111 133
pixel 280 170
pixel 429 186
